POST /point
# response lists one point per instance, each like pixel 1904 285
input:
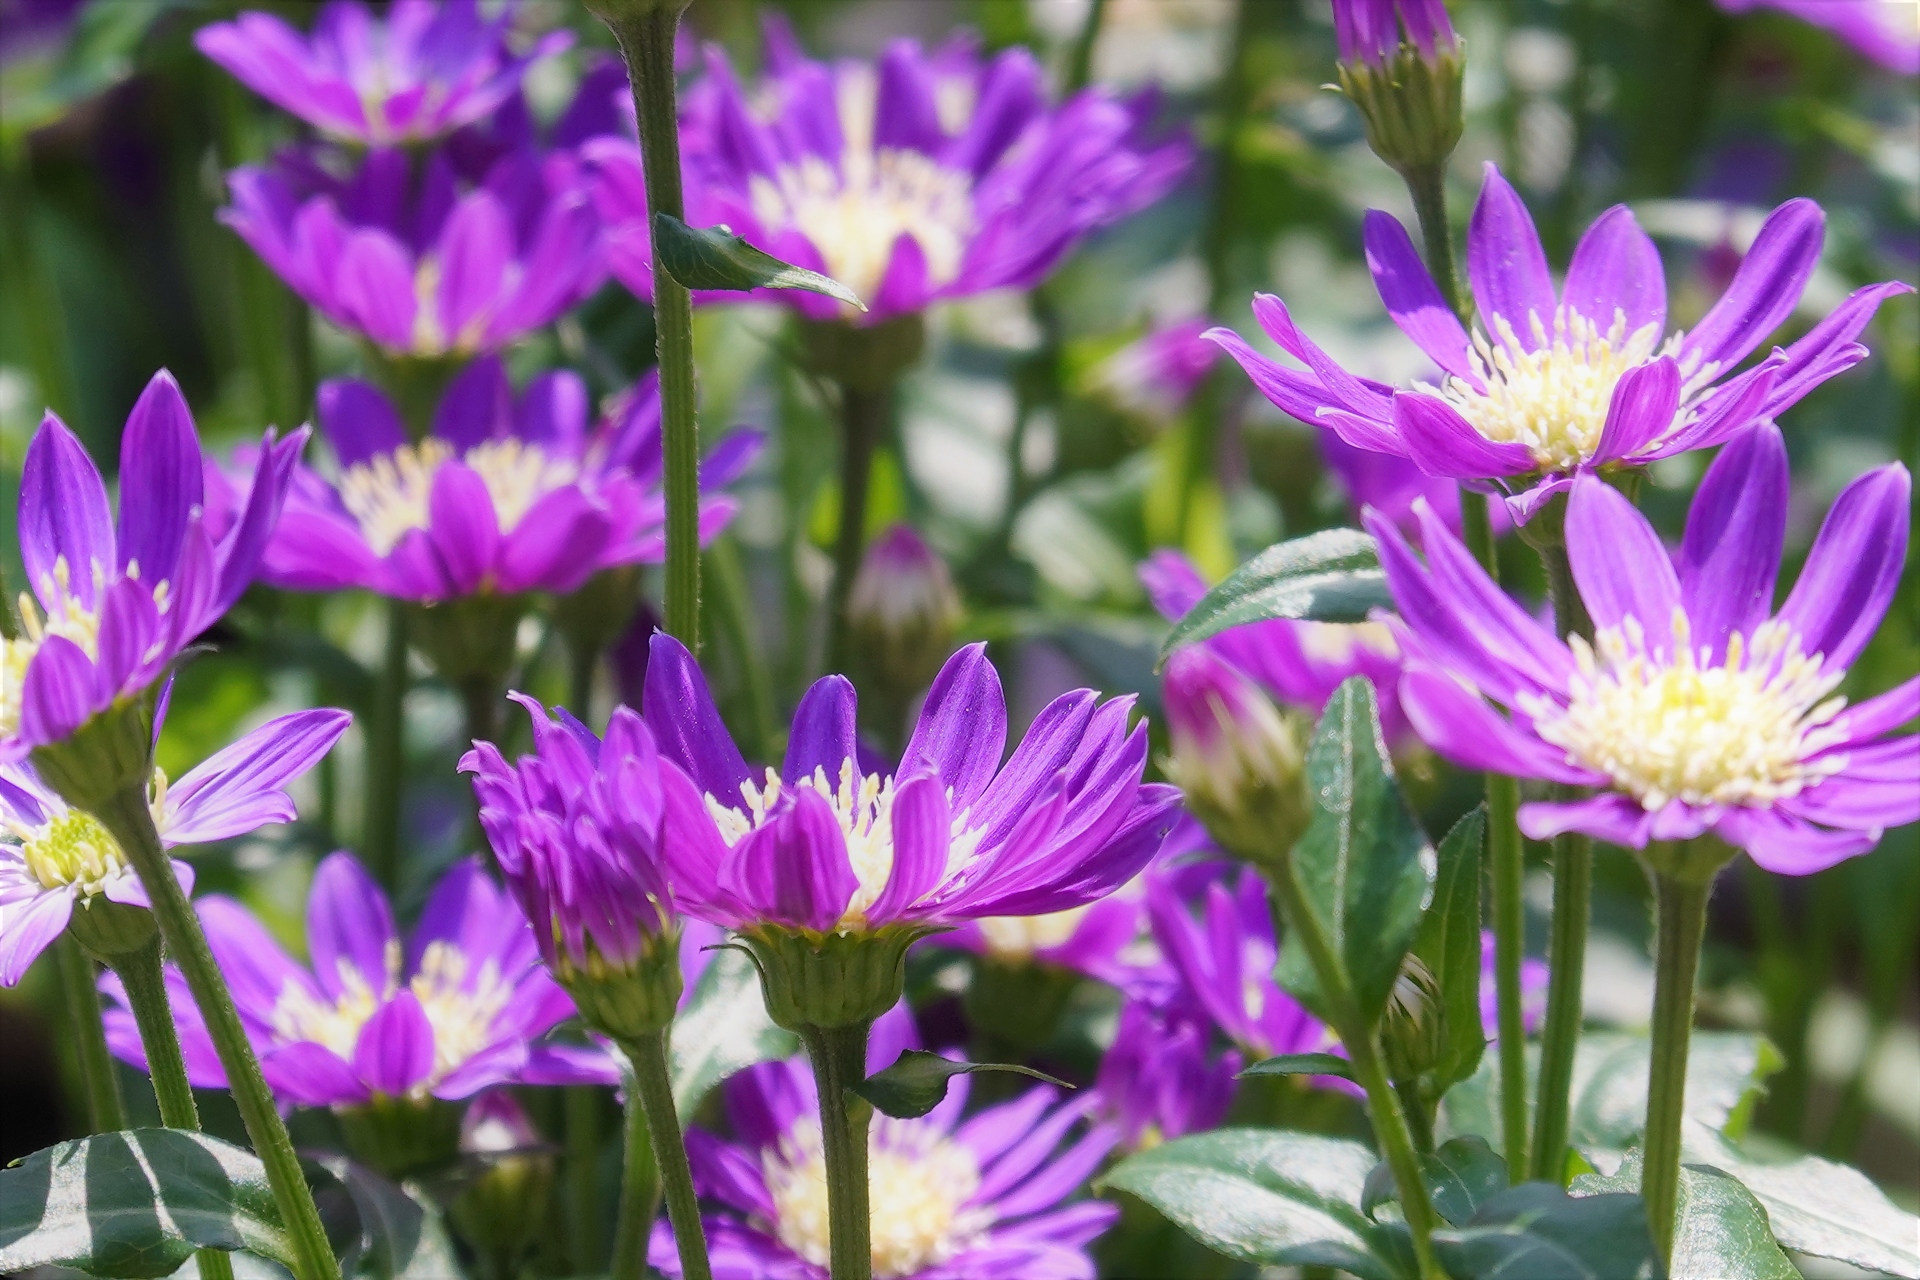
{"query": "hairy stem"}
pixel 864 415
pixel 1428 187
pixel 654 1084
pixel 1080 57
pixel 839 1057
pixel 1680 907
pixel 105 1110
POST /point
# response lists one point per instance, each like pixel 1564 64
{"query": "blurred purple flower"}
pixel 1391 485
pixel 1697 708
pixel 1159 1081
pixel 461 1007
pixel 1373 30
pixel 122 601
pixel 1103 940
pixel 1156 374
pixel 1533 989
pixel 1561 384
pixel 825 845
pixel 503 495
pixel 423 70
pixel 952 1199
pixel 1887 31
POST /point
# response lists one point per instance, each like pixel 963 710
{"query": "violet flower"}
pixel 1103 940
pixel 1887 31
pixel 55 859
pixel 952 1198
pixel 922 178
pixel 823 845
pixel 1391 485
pixel 1697 708
pixel 1558 384
pixel 1373 30
pixel 425 69
pixel 436 272
pixel 1160 1080
pixel 1533 989
pixel 460 1006
pixel 122 601
pixel 1157 373
pixel 505 494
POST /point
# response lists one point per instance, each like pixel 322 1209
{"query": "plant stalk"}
pixel 1680 907
pixel 105 1110
pixel 1428 187
pixel 128 819
pixel 639 1195
pixel 839 1057
pixel 581 1120
pixel 654 1083
pixel 1080 57
pixel 864 415
pixel 386 754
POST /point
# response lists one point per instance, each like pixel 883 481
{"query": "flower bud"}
pixel 1401 65
pixel 625 1001
pixel 903 609
pixel 1239 760
pixel 830 980
pixel 506 1180
pixel 1413 1029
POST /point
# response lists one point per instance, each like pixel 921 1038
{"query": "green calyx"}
pixel 108 755
pixel 867 358
pixel 626 1002
pixel 814 980
pixel 1413 1028
pixel 1252 798
pixel 470 639
pixel 1410 106
pixel 402 1137
pixel 1692 862
pixel 613 12
pixel 108 930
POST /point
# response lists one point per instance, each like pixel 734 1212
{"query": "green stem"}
pixel 1428 187
pixel 639 1197
pixel 1560 1037
pixel 386 754
pixel 105 1111
pixel 839 1057
pixel 654 1083
pixel 734 604
pixel 1080 57
pixel 582 1124
pixel 1419 1119
pixel 864 415
pixel 128 819
pixel 1569 610
pixel 646 42
pixel 1680 908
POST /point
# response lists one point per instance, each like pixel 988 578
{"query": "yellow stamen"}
pixel 390 494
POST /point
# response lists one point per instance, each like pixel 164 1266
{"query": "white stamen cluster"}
pixel 920 1179
pixel 1681 726
pixel 66 617
pixel 1018 937
pixel 389 494
pixel 71 850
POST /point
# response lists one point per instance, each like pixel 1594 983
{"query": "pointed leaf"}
pixel 1330 576
pixel 1449 944
pixel 715 258
pixel 395 1237
pixel 1461 1175
pixel 1300 1064
pixel 722 1028
pixel 1719 1229
pixel 917 1081
pixel 1536 1231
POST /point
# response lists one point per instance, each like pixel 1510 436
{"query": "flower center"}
pixel 1554 399
pixel 1682 727
pixel 66 617
pixel 920 1183
pixel 72 850
pixel 1018 937
pixel 1335 642
pixel 864 811
pixel 390 494
pixel 460 1012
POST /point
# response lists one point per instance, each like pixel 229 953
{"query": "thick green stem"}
pixel 1560 1038
pixel 128 819
pixel 386 754
pixel 1080 57
pixel 1680 908
pixel 646 42
pixel 864 416
pixel 105 1111
pixel 839 1057
pixel 639 1197
pixel 654 1083
pixel 1428 187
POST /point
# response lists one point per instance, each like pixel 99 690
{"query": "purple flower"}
pixel 921 178
pixel 1156 374
pixel 460 1006
pixel 122 601
pixel 1888 31
pixel 1299 663
pixel 952 1198
pixel 1557 384
pixel 1373 30
pixel 426 70
pixel 1160 1081
pixel 1533 989
pixel 1101 939
pixel 1391 485
pixel 435 272
pixel 504 495
pixel 1697 708
pixel 54 858
pixel 824 845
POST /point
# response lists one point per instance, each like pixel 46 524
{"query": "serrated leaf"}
pixel 1536 1231
pixel 1449 944
pixel 1461 1175
pixel 722 1028
pixel 1260 1195
pixel 917 1081
pixel 715 258
pixel 1330 576
pixel 1364 866
pixel 1719 1229
pixel 1300 1064
pixel 136 1203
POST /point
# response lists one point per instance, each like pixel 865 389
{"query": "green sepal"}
pixel 830 980
pixel 917 1081
pixel 630 1001
pixel 715 258
pixel 401 1137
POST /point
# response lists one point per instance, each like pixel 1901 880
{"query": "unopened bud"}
pixel 1239 760
pixel 1401 65
pixel 903 608
pixel 1413 1030
pixel 630 1000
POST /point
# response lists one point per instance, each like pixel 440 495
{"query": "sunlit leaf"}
pixel 1719 1229
pixel 1331 576
pixel 715 258
pixel 917 1081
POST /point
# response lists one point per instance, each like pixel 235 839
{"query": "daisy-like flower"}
pixel 117 603
pixel 1698 708
pixel 952 1198
pixel 1102 939
pixel 459 1006
pixel 56 860
pixel 427 68
pixel 1558 383
pixel 1888 31
pixel 506 494
pixel 920 178
pixel 447 270
pixel 1372 31
pixel 1157 373
pixel 825 846
pixel 1161 1080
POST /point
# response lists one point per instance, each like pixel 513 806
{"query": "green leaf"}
pixel 1330 576
pixel 136 1203
pixel 1461 1175
pixel 1449 944
pixel 1719 1230
pixel 1300 1064
pixel 722 1028
pixel 715 258
pixel 393 1235
pixel 1364 867
pixel 1536 1231
pixel 917 1081
pixel 1265 1196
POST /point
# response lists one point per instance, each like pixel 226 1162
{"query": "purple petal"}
pixel 465 532
pixel 906 114
pixel 241 788
pixel 376 288
pixel 922 831
pixel 1883 714
pixel 359 422
pixel 1614 818
pixel 794 870
pixel 1619 563
pixel 312 1075
pixel 128 889
pixel 63 513
pixel 465 910
pixel 823 734
pixel 1458 724
pixel 58 696
pixel 30 931
pixel 553 413
pixel 1505 262
pixel 1172 583
pixel 1828 348
pixel 1442 443
pixel 1861 803
pixel 1616 268
pixel 395 1049
pixel 1787 846
pixel 349 926
pixel 475 250
pixel 252 962
pixel 1735 531
pixel 1411 296
pixel 678 707
pixel 477 406
pixel 1643 406
pixel 1854 567
pixel 161 478
pixel 690 845
pixel 557 545
pixel 962 729
pixel 1765 289
pixel 129 626
pixel 247 540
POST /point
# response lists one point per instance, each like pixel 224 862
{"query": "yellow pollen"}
pixel 72 851
pixel 66 617
pixel 1018 937
pixel 865 815
pixel 1554 399
pixel 1684 726
pixel 389 494
pixel 920 1183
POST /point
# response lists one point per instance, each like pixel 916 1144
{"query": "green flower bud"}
pixel 1410 103
pixel 1413 1030
pixel 903 609
pixel 626 1002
